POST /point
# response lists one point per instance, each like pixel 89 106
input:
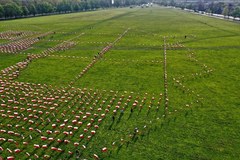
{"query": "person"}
pixel 135 132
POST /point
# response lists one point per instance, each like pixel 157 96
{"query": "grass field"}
pixel 96 79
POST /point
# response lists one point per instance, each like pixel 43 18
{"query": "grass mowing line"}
pixel 100 55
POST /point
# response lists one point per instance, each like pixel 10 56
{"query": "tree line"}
pixel 24 8
pixel 230 8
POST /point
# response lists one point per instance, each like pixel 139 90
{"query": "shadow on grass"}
pixel 119 148
pixel 119 118
pixel 111 125
pixel 130 115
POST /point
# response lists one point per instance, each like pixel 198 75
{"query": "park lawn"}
pixel 40 47
pixel 140 55
pixel 203 117
pixel 98 38
pixel 80 51
pixel 61 36
pixel 54 71
pixel 139 40
pixel 8 60
pixel 124 76
pixel 2 41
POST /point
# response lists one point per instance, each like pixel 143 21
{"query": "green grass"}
pixel 203 122
pixel 7 60
pixel 2 41
pixel 54 71
pixel 128 76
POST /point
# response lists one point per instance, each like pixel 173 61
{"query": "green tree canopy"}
pixel 44 7
pixel 25 10
pixel 225 11
pixel 236 12
pixel 32 9
pixel 1 11
pixel 12 10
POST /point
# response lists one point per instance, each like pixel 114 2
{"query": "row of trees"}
pixel 232 8
pixel 20 8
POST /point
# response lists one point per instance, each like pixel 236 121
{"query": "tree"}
pixel 200 6
pixel 190 6
pixel 32 9
pixel 236 12
pixel 12 10
pixel 84 5
pixel 93 4
pixel 218 8
pixel 1 11
pixel 210 8
pixel 225 11
pixel 64 6
pixel 102 3
pixel 230 9
pixel 172 3
pixel 76 7
pixel 25 10
pixel 44 7
pixel 48 7
pixel 117 3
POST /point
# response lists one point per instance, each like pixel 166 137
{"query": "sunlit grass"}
pixel 203 122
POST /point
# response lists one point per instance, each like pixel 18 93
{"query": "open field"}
pixel 152 83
